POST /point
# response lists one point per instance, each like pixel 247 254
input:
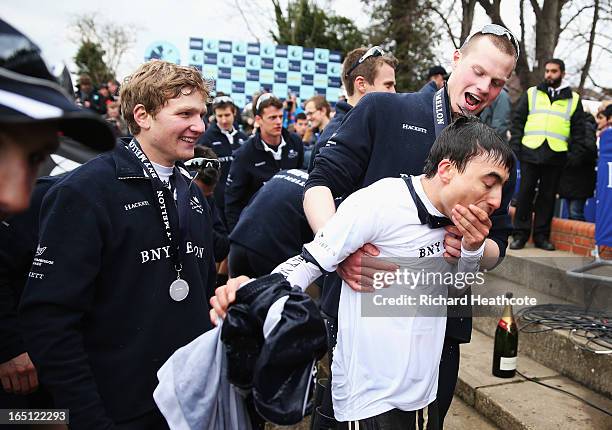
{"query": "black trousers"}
pixel 395 419
pixel 546 177
pixel 243 261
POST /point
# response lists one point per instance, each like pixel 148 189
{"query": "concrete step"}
pixel 520 404
pixel 461 416
pixel 554 349
pixel 544 271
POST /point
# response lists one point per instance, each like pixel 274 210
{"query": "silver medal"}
pixel 179 290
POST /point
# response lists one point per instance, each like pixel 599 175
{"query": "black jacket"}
pixel 273 224
pixel 18 240
pixel 386 135
pixel 276 367
pixel 218 142
pixel 543 154
pixel 252 166
pixel 342 109
pixel 579 176
pixel 97 317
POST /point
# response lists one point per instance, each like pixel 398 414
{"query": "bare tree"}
pixel 116 40
pixel 445 12
pixel 587 64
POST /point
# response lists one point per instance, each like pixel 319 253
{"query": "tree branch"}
pixel 447 24
pixel 246 21
pixel 536 9
pixel 582 9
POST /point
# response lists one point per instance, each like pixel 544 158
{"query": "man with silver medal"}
pixel 125 266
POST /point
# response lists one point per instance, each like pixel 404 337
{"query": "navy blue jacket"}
pixel 218 142
pixel 252 166
pixel 97 317
pixel 220 239
pixel 18 240
pixel 386 135
pixel 274 225
pixel 342 109
pixel 429 88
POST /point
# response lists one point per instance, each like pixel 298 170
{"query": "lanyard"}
pixel 440 110
pixel 175 234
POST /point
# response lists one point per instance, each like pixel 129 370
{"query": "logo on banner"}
pixel 225 46
pixel 196 44
pixel 253 48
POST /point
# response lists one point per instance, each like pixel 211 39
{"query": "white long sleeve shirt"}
pixel 382 362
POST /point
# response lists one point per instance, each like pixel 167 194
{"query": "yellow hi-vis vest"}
pixel 548 121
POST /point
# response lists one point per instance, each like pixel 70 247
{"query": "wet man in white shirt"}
pixel 385 369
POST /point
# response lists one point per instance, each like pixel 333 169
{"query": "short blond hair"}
pixel 154 83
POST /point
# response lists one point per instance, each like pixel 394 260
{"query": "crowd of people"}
pixel 195 204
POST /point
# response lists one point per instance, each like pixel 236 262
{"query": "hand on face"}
pixel 474 225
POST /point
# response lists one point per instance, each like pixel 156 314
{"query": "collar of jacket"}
pixel 343 107
pixel 564 93
pixel 257 142
pixel 128 167
pixel 217 130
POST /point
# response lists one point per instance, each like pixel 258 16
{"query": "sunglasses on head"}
pixel 262 98
pixel 222 99
pixel 498 30
pixel 374 51
pixel 201 162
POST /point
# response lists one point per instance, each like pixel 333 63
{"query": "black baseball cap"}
pixel 29 94
pixel 436 70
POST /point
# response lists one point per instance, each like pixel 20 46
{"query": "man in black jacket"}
pixel 547 131
pixel 124 263
pixel 223 138
pixel 391 134
pixel 375 75
pixel 272 228
pixel 33 111
pixel 271 149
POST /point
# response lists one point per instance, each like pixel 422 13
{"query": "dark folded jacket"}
pixel 277 367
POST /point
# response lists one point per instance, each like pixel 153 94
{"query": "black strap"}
pixel 425 217
pixel 441 110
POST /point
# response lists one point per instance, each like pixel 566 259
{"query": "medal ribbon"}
pixel 161 191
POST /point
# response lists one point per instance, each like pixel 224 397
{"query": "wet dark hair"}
pixel 208 175
pixel 464 139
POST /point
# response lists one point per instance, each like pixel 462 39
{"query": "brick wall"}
pixel 576 237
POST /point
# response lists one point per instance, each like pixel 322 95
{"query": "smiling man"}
pixel 124 265
pixel 388 134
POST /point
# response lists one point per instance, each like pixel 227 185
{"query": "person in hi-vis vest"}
pixel 547 136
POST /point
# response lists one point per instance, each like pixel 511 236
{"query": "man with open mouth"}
pixel 389 134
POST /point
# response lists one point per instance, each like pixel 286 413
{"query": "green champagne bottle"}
pixel 506 344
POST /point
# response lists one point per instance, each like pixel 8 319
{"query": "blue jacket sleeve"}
pixel 12 260
pixel 236 190
pixel 500 120
pixel 341 165
pixel 502 224
pixel 518 125
pixel 220 239
pixel 59 293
